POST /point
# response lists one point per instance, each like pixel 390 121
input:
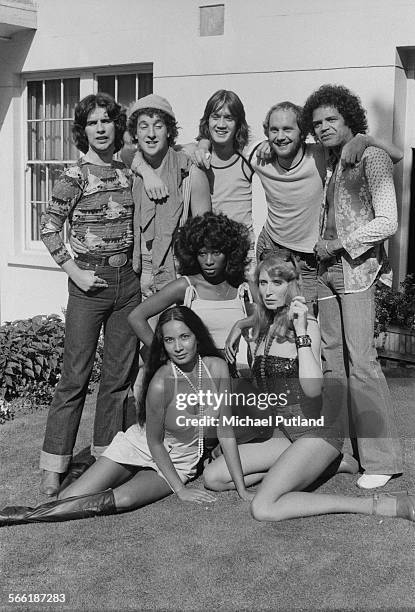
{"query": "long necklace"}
pixel 200 406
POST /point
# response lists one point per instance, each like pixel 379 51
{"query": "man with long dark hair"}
pixel 95 196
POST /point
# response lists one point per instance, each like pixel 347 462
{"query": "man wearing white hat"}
pixel 158 211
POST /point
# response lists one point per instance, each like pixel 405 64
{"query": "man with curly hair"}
pixel 293 179
pixel 95 196
pixel 161 206
pixel 359 213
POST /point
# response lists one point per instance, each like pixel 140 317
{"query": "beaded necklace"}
pixel 200 407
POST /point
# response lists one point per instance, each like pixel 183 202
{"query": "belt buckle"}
pixel 118 261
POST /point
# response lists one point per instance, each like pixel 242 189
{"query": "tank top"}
pixel 219 316
pixel 231 190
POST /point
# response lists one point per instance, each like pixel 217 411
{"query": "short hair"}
pixel 277 266
pixel 286 106
pixel 215 232
pixel 170 123
pixel 157 355
pixel 82 110
pixel 347 103
pixel 236 108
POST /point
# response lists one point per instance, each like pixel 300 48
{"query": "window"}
pixel 50 110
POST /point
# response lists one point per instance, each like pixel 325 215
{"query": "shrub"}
pixel 31 353
pixel 395 307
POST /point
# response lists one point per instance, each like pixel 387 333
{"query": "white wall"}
pixel 271 50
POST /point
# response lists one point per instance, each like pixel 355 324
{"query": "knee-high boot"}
pixel 69 509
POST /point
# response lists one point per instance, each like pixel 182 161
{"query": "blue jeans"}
pixel 306 261
pixel 351 368
pixel 86 313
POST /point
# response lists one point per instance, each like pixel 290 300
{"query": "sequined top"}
pixel 275 374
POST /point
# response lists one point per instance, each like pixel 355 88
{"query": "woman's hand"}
pixel 246 495
pixel 297 313
pixel 232 344
pixel 199 496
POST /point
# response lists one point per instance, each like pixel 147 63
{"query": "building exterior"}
pixel 53 52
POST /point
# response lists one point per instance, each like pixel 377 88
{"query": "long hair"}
pixel 216 102
pixel 158 356
pixel 115 113
pixel 278 267
pixel 216 232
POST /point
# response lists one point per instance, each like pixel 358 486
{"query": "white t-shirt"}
pixel 294 198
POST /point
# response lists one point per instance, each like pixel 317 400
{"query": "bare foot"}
pixel 49 483
pixel 348 465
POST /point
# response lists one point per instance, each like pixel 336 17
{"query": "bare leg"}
pixel 348 465
pixel 144 488
pixel 103 474
pixel 256 459
pixel 280 494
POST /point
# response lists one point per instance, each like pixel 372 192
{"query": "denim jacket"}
pixel 365 215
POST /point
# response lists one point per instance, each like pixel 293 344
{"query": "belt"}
pixel 115 261
pixel 276 248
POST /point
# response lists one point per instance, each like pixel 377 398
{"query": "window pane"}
pixel 35 140
pixel 38 180
pixel 69 149
pixel 106 84
pixel 37 210
pixel 126 89
pixel 53 139
pixel 53 98
pixel 145 84
pixel 34 100
pixel 70 97
pixel 54 173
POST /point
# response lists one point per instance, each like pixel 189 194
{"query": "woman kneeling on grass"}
pixel 160 454
pixel 287 359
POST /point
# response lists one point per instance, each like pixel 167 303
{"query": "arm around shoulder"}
pixel 199 192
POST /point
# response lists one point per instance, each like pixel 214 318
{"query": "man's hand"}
pixel 326 249
pixel 87 280
pixel 76 245
pixel 353 150
pixel 154 186
pixel 264 153
pixel 200 154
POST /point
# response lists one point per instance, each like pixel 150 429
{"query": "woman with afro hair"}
pixel 211 252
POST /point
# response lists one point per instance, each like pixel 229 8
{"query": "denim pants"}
pixel 87 312
pixel 306 261
pixel 352 371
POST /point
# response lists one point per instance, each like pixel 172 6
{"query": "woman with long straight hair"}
pixel 160 454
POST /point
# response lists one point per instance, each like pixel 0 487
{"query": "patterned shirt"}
pixel 366 215
pixel 97 201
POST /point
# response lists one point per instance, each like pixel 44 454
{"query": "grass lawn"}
pixel 175 556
